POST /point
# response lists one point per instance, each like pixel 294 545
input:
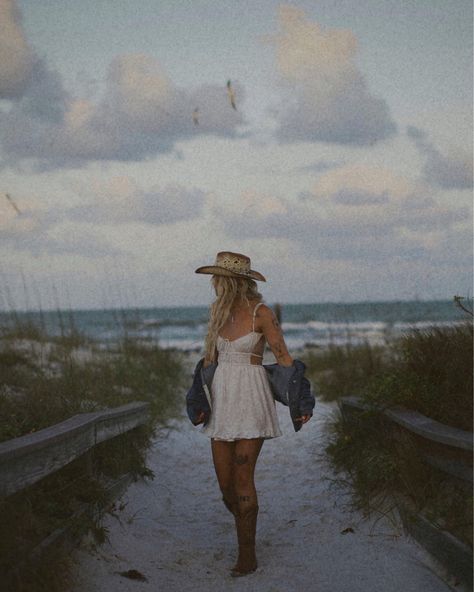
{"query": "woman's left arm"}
pixel 272 330
pixel 270 327
pixel 304 418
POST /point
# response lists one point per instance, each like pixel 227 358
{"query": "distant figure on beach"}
pixel 277 311
pixel 231 95
pixel 243 407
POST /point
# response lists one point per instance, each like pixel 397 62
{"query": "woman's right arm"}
pixel 270 327
pixel 207 362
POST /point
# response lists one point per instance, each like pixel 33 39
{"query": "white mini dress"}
pixel 242 401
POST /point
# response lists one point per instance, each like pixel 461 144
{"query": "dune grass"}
pixel 342 370
pixel 46 379
pixel 427 370
pixel 382 467
pixel 431 373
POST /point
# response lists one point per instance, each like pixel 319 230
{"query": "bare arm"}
pixel 270 327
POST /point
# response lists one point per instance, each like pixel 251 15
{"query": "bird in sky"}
pixel 230 93
pixel 196 116
pixel 12 203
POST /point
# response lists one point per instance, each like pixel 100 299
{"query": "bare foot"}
pixel 246 562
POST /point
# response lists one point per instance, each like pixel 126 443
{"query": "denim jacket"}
pixel 288 384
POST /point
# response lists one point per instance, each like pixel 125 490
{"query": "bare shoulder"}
pixel 264 315
pixel 263 310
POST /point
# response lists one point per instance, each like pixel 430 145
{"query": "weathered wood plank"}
pixel 27 459
pixel 117 421
pixel 455 555
pixel 445 448
pixel 453 467
pixel 422 425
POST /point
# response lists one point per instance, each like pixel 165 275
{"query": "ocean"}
pixel 304 325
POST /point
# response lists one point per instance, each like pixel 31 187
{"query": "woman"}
pixel 243 410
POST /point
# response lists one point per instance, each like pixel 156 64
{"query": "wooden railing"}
pixel 29 458
pixel 445 448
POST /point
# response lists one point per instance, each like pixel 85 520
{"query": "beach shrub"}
pixel 46 379
pixel 59 380
pixel 341 370
pixel 383 468
pixel 429 371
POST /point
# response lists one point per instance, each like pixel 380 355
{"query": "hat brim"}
pixel 216 270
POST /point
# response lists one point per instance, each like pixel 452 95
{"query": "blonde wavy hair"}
pixel 228 290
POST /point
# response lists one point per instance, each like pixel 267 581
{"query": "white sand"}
pixel 178 533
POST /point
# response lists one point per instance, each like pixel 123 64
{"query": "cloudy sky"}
pixel 345 171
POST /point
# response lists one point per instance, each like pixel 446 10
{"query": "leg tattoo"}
pixel 244 498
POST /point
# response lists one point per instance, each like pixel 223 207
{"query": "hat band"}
pixel 233 268
pixel 233 264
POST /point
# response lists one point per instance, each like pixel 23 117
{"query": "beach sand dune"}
pixel 176 531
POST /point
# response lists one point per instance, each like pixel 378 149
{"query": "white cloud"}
pixel 140 114
pixel 356 212
pixel 120 200
pixel 16 56
pixel 326 98
pixel 448 171
pixel 78 239
pixel 112 216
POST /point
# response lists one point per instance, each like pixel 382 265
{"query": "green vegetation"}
pixel 339 371
pixel 429 371
pixel 383 467
pixel 45 380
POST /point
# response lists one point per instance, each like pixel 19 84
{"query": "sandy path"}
pixel 178 533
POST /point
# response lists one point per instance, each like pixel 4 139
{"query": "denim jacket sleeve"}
pixel 292 388
pixel 307 400
pixel 288 383
pixel 279 378
pixel 196 400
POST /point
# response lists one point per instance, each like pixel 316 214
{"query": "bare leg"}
pixel 245 459
pixel 223 455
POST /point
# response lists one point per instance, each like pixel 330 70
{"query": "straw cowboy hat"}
pixel 233 265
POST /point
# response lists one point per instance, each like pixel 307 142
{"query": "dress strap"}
pixel 253 318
